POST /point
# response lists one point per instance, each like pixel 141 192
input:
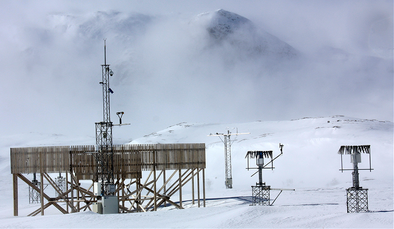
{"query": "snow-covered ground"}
pixel 310 164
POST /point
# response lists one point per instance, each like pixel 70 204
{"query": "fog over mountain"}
pixel 217 65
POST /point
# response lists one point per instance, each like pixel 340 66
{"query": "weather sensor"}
pixel 357 197
pixel 261 192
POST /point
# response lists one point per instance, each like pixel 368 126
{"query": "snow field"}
pixel 310 164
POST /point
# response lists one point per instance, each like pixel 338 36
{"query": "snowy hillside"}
pixel 310 149
pixel 310 164
pixel 210 71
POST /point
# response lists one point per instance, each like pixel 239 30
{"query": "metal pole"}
pixel 227 155
pixel 260 175
pixel 356 182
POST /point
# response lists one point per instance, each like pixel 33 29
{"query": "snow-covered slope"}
pixel 310 149
pixel 309 164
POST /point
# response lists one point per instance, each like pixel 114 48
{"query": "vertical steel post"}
pixel 260 175
pixel 356 181
pixel 227 159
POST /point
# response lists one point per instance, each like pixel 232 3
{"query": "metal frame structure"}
pixel 227 156
pixel 60 182
pixel 169 166
pixel 261 192
pixel 261 195
pixel 34 196
pixel 356 196
pixel 104 142
pixel 115 170
pixel 357 200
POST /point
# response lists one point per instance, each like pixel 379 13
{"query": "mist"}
pixel 170 69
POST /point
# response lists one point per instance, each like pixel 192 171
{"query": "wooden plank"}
pixel 41 184
pixel 203 185
pixel 198 186
pixel 193 186
pixel 180 188
pixel 15 193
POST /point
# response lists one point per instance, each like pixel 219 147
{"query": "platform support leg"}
pixel 15 185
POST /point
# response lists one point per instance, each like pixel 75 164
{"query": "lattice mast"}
pixel 227 159
pixel 104 142
pixel 227 156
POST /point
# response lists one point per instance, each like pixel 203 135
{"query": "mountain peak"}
pixel 243 36
pixel 221 23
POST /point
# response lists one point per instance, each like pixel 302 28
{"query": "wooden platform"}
pixel 129 160
pixel 79 163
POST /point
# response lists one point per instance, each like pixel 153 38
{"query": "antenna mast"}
pixel 104 142
pixel 227 156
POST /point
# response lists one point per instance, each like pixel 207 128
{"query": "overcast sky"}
pixel 51 56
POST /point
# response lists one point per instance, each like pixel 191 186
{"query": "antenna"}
pixel 261 192
pixel 104 142
pixel 105 51
pixel 357 197
pixel 104 186
pixel 227 155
